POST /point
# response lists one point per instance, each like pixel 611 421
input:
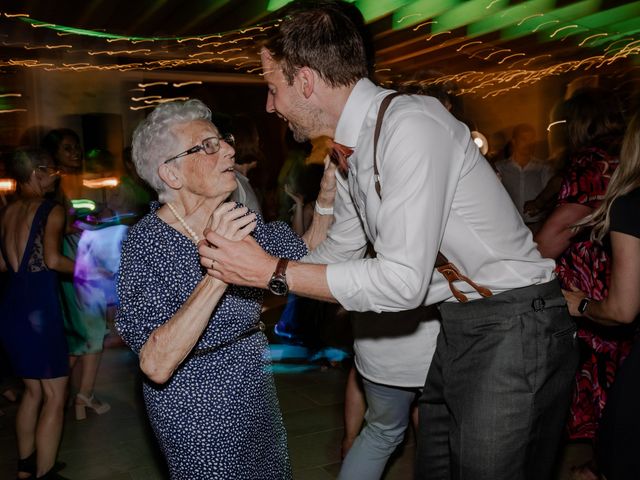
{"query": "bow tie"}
pixel 339 154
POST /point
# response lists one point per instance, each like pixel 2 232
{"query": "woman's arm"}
pixel 168 345
pixel 320 224
pixel 555 235
pixel 297 219
pixel 623 303
pixel 53 257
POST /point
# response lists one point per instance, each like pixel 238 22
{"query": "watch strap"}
pixel 582 306
pixel 281 267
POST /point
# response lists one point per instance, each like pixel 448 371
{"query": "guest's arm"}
pixel 53 257
pixel 555 235
pixel 317 231
pixel 623 303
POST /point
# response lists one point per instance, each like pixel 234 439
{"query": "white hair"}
pixel 153 139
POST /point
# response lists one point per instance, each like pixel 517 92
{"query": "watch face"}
pixel 582 306
pixel 278 286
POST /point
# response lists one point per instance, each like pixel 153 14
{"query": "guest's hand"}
pixel 328 185
pixel 231 222
pixel 296 197
pixel 531 208
pixel 573 298
pixel 241 262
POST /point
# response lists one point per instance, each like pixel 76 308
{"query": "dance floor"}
pixel 120 446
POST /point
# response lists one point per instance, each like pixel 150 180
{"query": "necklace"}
pixel 189 230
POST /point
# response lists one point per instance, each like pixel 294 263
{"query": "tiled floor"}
pixel 120 446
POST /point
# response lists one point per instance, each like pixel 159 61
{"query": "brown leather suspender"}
pixel 448 270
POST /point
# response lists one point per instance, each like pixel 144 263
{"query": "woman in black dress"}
pixel 618 440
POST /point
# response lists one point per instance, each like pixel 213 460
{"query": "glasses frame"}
pixel 227 137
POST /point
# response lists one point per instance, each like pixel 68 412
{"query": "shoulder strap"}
pixel 381 111
pixel 441 259
pixel 443 265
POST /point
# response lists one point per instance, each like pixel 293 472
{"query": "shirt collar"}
pixel 354 112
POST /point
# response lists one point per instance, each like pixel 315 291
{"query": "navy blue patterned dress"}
pixel 218 416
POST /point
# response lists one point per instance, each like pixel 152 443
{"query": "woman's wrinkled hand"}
pixel 573 298
pixel 328 184
pixel 230 222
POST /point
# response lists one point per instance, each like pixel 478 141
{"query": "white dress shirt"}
pixel 245 194
pixel 438 192
pixel 524 183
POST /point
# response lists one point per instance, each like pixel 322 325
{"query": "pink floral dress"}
pixel 586 265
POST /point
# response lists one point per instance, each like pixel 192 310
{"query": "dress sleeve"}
pixel 585 181
pixel 625 214
pixel 279 240
pixel 143 300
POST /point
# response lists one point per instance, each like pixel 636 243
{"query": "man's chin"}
pixel 298 136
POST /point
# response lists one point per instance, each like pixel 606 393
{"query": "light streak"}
pixel 184 84
pixel 530 16
pixel 562 28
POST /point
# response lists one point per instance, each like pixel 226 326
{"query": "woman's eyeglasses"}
pixel 49 170
pixel 210 146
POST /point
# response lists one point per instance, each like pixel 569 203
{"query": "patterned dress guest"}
pixel 209 391
pixel 595 124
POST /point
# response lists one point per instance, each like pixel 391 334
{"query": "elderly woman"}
pixel 209 392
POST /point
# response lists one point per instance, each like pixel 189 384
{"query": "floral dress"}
pixel 586 266
pixel 218 416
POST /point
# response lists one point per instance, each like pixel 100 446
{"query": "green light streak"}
pixel 420 11
pixel 552 21
pixel 274 5
pixel 374 9
pixel 82 203
pixel 86 33
pixel 509 16
pixel 467 12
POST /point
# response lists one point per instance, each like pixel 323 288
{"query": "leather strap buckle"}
pixel 450 272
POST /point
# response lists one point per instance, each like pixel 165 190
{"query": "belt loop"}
pixel 538 304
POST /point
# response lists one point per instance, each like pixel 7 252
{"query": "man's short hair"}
pixel 322 35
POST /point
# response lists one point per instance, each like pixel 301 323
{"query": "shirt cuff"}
pixel 346 289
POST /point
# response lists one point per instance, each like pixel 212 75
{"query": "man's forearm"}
pixel 309 280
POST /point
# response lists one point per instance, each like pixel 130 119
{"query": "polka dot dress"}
pixel 218 416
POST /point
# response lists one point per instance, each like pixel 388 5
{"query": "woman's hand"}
pixel 296 197
pixel 328 185
pixel 230 222
pixel 573 298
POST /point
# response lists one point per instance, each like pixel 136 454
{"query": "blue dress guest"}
pixel 209 389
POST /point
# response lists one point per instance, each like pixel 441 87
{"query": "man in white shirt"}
pixel 496 394
pixel 523 175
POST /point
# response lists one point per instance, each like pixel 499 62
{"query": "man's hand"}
pixel 241 262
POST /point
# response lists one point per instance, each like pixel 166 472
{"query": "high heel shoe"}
pixel 27 465
pixel 52 475
pixel 82 403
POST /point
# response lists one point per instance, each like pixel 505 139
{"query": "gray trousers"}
pixel 499 387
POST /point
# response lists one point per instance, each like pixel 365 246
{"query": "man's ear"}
pixel 307 78
pixel 169 176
